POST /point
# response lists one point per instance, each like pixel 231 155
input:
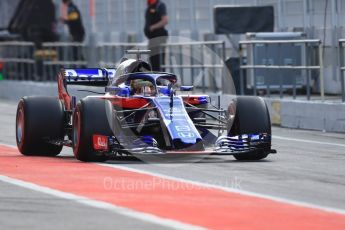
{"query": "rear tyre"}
pixel 39 120
pixel 251 117
pixel 89 118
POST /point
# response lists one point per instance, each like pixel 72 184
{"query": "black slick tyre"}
pixel 38 121
pixel 90 117
pixel 251 117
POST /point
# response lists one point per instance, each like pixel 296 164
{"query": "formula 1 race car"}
pixel 141 113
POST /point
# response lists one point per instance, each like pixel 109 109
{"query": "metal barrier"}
pixel 193 62
pixel 110 54
pixel 196 63
pixel 18 61
pixel 56 55
pixel 341 56
pixel 308 48
pixel 23 61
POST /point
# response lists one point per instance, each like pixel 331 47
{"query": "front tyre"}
pixel 90 117
pixel 250 116
pixel 38 121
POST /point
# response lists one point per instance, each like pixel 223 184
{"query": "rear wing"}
pixel 88 77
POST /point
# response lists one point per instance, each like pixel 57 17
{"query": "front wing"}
pixel 223 146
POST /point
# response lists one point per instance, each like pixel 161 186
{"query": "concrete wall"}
pixel 323 116
pixel 14 90
pixel 309 115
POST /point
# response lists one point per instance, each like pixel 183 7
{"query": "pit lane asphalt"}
pixel 309 167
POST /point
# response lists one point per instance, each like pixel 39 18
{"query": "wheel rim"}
pixel 76 130
pixel 231 114
pixel 232 109
pixel 20 126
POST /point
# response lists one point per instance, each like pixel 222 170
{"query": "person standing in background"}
pixel 73 21
pixel 75 25
pixel 156 19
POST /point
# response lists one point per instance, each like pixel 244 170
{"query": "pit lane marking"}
pixel 279 199
pixel 190 203
pixel 168 223
pixel 231 190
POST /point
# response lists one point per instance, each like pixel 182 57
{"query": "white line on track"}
pixel 231 190
pixel 101 205
pixel 308 141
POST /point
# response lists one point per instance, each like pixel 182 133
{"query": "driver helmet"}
pixel 142 87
